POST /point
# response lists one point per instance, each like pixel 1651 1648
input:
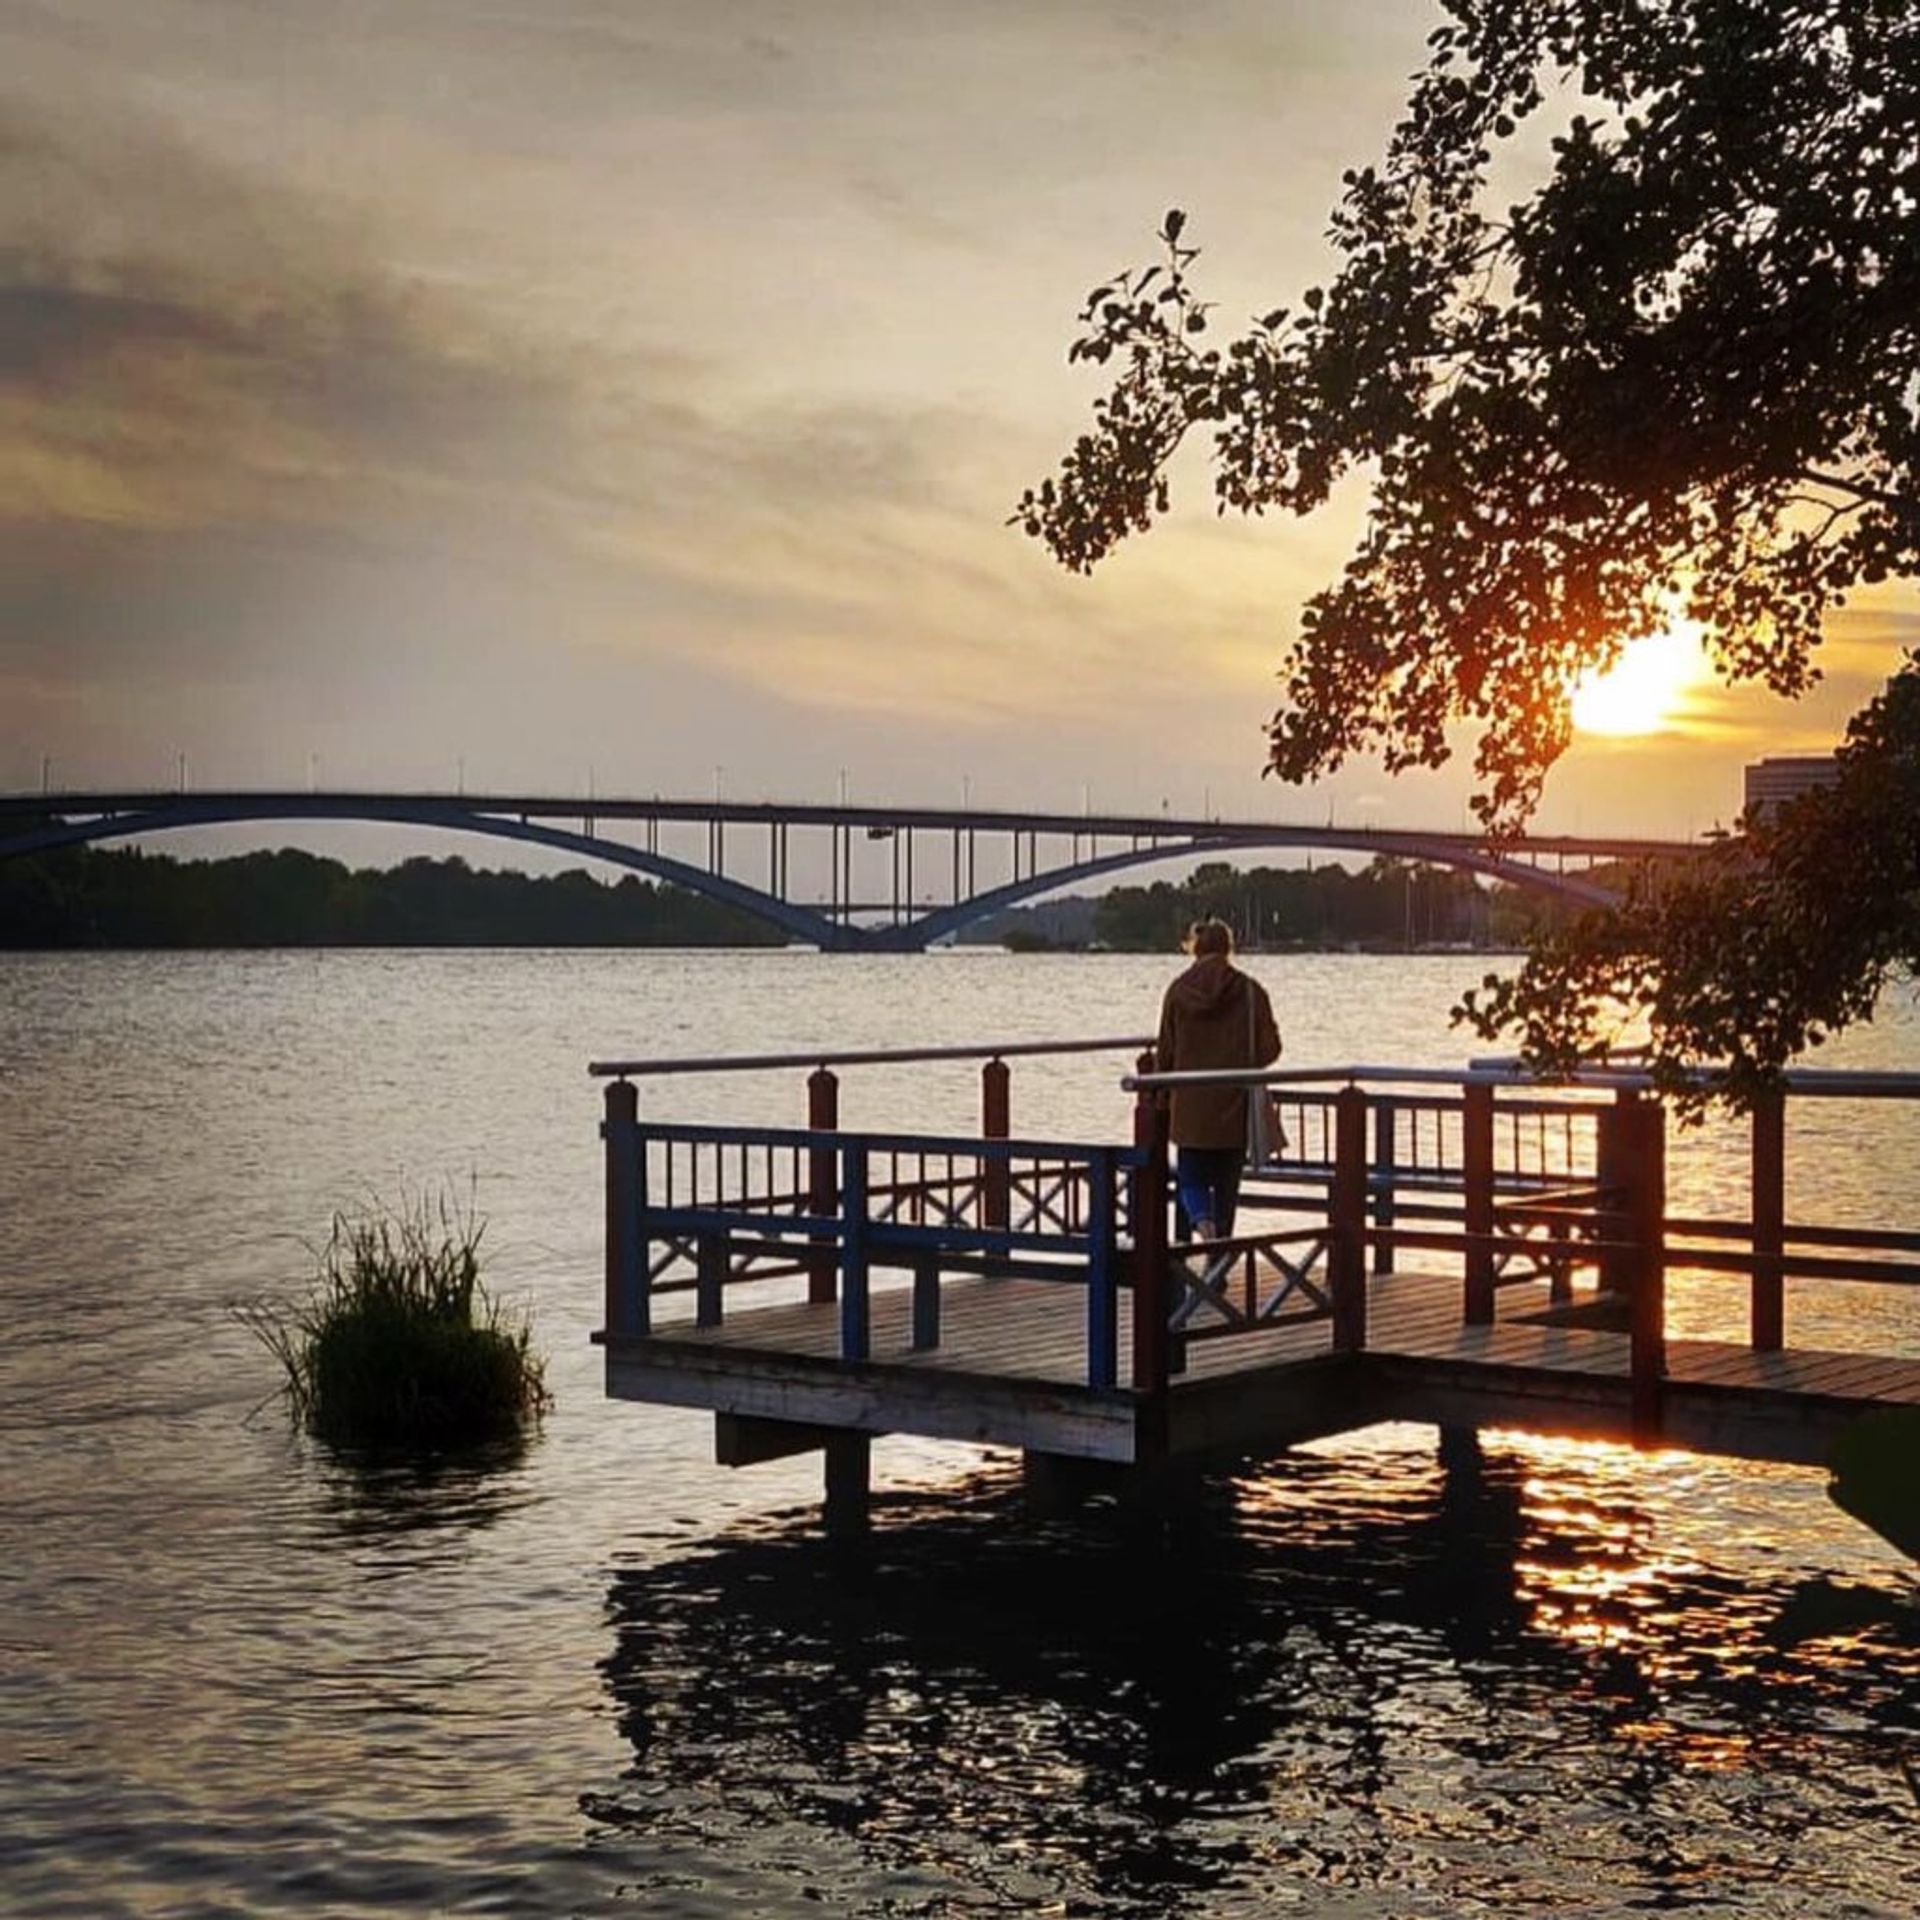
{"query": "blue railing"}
pixel 715 1207
pixel 1529 1186
pixel 708 1208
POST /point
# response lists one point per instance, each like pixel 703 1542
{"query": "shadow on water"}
pixel 1303 1682
pixel 368 1491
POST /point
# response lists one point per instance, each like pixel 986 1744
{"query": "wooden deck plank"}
pixel 1797 1371
pixel 1831 1372
pixel 1011 1367
pixel 1725 1363
pixel 1710 1362
pixel 1860 1375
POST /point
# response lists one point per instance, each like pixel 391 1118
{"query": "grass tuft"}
pixel 398 1343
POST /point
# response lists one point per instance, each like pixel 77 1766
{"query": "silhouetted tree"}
pixel 1760 947
pixel 1678 377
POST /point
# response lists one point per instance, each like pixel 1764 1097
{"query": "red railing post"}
pixel 996 1123
pixel 823 1186
pixel 1476 1165
pixel 1347 1221
pixel 1384 1111
pixel 626 1306
pixel 1647 1209
pixel 713 1259
pixel 856 1332
pixel 1613 1174
pixel 1769 1221
pixel 1149 1216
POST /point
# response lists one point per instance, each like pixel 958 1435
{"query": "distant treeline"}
pixel 83 897
pixel 1388 905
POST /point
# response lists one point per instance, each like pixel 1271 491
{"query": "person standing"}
pixel 1213 1016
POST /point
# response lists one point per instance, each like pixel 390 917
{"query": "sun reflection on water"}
pixel 1372 1668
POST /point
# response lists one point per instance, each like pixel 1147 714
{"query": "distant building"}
pixel 1772 782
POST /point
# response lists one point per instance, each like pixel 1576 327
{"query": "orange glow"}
pixel 1645 690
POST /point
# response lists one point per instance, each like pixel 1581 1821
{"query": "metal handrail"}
pixel 1327 1076
pixel 1484 1070
pixel 854 1057
pixel 1860 1083
pixel 1834 1083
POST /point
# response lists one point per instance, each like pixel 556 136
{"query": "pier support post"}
pixel 1347 1221
pixel 1476 1157
pixel 849 1482
pixel 1769 1221
pixel 1056 1484
pixel 627 1305
pixel 1460 1451
pixel 823 1195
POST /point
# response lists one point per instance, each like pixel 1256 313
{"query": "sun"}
pixel 1645 690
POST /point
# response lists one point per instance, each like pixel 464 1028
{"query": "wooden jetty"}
pixel 1466 1249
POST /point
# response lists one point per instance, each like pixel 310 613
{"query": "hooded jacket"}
pixel 1213 1016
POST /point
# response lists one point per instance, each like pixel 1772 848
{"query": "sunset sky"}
pixel 588 384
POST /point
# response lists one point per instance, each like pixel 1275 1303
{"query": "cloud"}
pixel 180 345
pixel 191 353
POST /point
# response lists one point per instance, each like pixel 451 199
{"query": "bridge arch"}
pixel 944 920
pixel 799 921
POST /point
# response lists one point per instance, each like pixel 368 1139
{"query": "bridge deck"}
pixel 900 915
pixel 1010 1370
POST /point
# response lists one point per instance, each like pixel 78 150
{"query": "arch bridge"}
pixel 900 878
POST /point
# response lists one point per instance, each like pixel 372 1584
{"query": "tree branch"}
pixel 1876 496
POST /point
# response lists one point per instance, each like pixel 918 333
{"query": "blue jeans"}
pixel 1206 1184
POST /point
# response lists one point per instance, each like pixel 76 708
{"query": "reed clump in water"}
pixel 399 1344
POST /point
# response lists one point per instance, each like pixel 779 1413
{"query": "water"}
pixel 241 1675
